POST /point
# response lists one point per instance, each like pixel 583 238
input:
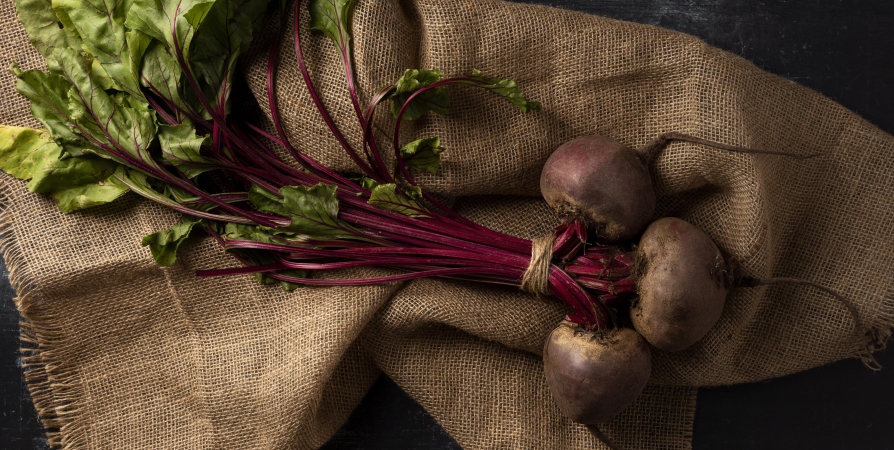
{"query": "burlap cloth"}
pixel 124 354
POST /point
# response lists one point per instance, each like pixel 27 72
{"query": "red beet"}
pixel 607 186
pixel 602 183
pixel 593 376
pixel 682 284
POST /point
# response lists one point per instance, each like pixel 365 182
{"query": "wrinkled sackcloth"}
pixel 124 353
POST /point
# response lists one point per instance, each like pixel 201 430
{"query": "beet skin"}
pixel 593 376
pixel 682 285
pixel 602 183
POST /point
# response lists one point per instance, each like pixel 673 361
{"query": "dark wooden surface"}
pixel 843 49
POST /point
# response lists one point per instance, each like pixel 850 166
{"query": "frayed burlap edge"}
pixel 878 333
pixel 51 380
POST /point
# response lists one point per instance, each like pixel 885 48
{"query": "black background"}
pixel 843 49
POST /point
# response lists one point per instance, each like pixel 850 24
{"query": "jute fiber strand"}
pixel 124 353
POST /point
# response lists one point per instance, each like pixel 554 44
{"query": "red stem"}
pixel 325 115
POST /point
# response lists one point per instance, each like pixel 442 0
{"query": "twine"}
pixel 536 278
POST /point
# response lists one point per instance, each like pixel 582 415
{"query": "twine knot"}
pixel 536 278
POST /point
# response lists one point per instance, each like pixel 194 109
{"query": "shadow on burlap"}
pixel 122 351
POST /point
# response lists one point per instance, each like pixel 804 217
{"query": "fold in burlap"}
pixel 125 352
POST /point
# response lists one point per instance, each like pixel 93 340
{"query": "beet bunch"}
pixel 138 99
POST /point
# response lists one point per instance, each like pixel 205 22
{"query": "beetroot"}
pixel 592 376
pixel 682 284
pixel 607 186
pixel 602 183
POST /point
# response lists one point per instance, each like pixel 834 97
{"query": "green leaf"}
pixel 44 28
pixel 314 212
pixel 75 183
pixel 173 22
pixel 333 18
pixel 266 201
pixel 225 33
pixel 365 182
pixel 247 232
pixel 100 74
pixel 386 196
pixel 288 285
pixel 142 184
pixel 49 101
pixel 414 79
pixel 423 154
pixel 78 183
pixel 48 93
pixel 120 120
pixel 368 183
pixel 157 190
pixel 164 244
pixel 161 73
pixel 179 195
pixel 182 148
pixel 21 149
pixel 431 100
pixel 506 89
pixel 160 191
pixel 100 24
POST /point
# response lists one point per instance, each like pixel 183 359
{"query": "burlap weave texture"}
pixel 129 352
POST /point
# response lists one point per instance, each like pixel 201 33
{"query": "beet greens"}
pixel 138 98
